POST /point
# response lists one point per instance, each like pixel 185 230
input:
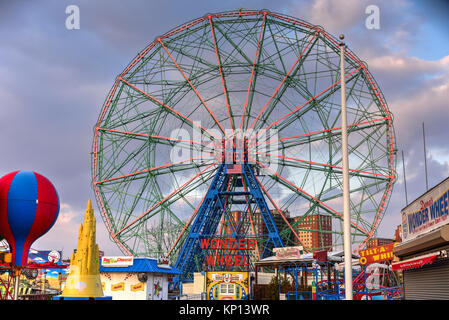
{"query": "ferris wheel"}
pixel 268 81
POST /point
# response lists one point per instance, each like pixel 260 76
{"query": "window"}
pixel 216 293
pixel 227 288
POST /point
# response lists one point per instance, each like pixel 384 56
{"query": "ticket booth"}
pixel 227 285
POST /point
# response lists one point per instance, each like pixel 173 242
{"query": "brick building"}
pixel 375 242
pixel 315 231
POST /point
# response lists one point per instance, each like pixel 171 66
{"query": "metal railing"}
pixel 200 296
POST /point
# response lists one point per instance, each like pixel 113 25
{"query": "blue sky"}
pixel 54 82
pixel 432 41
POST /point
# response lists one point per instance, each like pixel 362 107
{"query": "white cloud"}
pixel 335 16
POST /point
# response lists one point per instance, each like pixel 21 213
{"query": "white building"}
pixel 130 278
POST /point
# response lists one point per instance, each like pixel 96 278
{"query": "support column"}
pixel 346 207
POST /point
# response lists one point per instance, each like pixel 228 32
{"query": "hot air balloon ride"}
pixel 29 207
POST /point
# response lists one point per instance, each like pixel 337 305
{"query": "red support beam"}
pixel 193 88
pixel 162 201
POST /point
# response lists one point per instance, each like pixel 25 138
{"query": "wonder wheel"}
pixel 236 91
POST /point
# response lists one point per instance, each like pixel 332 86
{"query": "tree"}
pixel 273 287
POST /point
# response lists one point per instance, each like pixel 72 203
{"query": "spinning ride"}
pixel 256 93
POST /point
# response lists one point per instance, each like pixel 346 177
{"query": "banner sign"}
pixel 415 262
pixel 377 254
pixel 138 287
pixel 288 252
pixel 117 261
pixel 118 286
pixel 320 256
pixel 227 251
pixel 426 213
pixel 44 256
pixel 163 262
pixel 228 277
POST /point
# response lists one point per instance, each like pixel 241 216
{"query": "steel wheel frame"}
pixel 176 75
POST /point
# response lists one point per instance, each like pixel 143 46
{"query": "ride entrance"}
pixel 221 140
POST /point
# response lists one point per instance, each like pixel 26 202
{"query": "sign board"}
pixel 377 254
pixel 227 251
pixel 118 286
pixel 288 252
pixel 44 256
pixel 54 256
pixel 117 261
pixel 163 262
pixel 138 287
pixel 62 277
pixel 427 213
pixel 320 256
pixel 227 285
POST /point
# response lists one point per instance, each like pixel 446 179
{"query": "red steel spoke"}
pixel 286 76
pixel 193 88
pixel 169 108
pixel 154 136
pixel 305 103
pixel 154 168
pixel 309 195
pixel 320 131
pixel 222 220
pixel 250 216
pixel 185 226
pixel 323 164
pixel 221 75
pixel 282 215
pixel 163 200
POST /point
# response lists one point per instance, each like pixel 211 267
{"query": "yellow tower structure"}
pixel 84 276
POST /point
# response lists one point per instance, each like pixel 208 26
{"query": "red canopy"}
pixel 416 262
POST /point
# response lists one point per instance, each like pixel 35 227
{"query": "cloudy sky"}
pixel 54 82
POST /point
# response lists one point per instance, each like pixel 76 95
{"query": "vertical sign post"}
pixel 346 208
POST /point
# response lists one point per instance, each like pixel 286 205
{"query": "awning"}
pixel 416 262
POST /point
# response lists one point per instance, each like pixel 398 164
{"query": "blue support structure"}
pixel 216 208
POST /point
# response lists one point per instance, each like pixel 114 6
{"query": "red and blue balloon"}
pixel 29 207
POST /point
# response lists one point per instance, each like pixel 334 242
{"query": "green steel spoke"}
pixel 191 184
pixel 286 81
pixel 220 63
pixel 179 116
pixel 253 78
pixel 310 199
pixel 167 201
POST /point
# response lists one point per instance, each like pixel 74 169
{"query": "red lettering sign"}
pixel 377 254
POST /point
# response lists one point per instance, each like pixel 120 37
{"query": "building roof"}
pixel 332 256
pixel 141 265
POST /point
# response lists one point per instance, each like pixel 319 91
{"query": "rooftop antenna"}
pixel 425 156
pixel 405 179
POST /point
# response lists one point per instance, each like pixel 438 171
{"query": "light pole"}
pixel 346 207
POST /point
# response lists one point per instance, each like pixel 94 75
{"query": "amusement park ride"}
pixel 214 209
pixel 263 80
pixel 237 112
pixel 29 206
